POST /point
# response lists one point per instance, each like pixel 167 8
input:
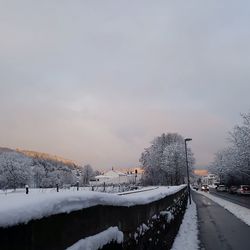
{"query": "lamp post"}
pixel 135 175
pixel 189 194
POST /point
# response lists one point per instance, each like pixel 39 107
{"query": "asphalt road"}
pixel 237 199
pixel 218 228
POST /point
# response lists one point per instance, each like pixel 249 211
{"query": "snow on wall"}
pixel 99 240
pixel 21 208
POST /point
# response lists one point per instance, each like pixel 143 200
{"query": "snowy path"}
pixel 187 237
pixel 218 228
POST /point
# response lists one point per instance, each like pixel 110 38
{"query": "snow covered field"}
pixel 108 189
pixel 18 207
pixel 187 237
pixel 240 212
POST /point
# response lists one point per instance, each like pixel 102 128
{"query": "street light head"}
pixel 188 139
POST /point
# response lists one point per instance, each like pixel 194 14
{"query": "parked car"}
pixel 195 187
pixel 205 188
pixel 244 190
pixel 221 188
pixel 233 190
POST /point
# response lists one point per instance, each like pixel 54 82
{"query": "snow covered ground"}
pixel 187 237
pixel 18 208
pixel 240 212
pixel 108 189
pixel 99 240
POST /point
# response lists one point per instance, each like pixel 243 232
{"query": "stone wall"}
pixel 150 226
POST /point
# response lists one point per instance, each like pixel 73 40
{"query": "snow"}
pixel 168 215
pixel 240 212
pixel 187 237
pixel 154 217
pixel 142 229
pixel 138 190
pixel 99 240
pixel 18 208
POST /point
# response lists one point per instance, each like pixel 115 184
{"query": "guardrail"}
pixel 161 218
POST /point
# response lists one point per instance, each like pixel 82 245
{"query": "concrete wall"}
pixel 63 230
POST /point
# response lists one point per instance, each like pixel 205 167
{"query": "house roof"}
pixel 110 174
pixel 114 173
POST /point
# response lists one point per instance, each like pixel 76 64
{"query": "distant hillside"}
pixel 2 150
pixel 45 156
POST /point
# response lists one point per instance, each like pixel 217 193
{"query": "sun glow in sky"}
pixel 96 81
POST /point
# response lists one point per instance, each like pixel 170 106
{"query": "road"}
pixel 219 229
pixel 237 199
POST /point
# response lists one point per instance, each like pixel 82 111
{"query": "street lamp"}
pixel 189 194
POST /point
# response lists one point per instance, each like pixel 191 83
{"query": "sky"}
pixel 95 81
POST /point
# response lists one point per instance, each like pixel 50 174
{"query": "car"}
pixel 233 190
pixel 195 187
pixel 244 190
pixel 221 188
pixel 205 188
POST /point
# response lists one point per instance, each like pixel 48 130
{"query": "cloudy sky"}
pixel 96 81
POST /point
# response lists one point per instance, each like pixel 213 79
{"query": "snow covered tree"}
pixel 164 161
pixel 38 175
pixel 97 172
pixel 87 173
pixel 66 176
pixel 233 163
pixel 15 170
pixel 49 173
pixel 240 138
pixel 223 164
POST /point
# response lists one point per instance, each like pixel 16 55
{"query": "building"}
pixel 210 179
pixel 117 177
pixel 202 176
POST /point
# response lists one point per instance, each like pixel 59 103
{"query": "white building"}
pixel 114 177
pixel 210 179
